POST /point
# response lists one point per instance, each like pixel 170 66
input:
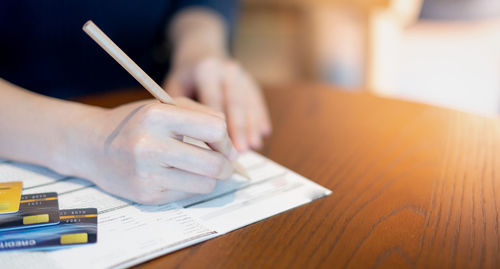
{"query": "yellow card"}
pixel 10 196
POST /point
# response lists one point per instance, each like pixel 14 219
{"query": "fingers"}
pixel 197 160
pixel 225 146
pixel 197 125
pixel 265 126
pixel 262 118
pixel 253 131
pixel 258 123
pixel 247 115
pixel 207 79
pixel 168 170
pixel 192 105
pixel 207 128
pixel 153 153
pixel 235 108
pixel 178 180
pixel 186 122
pixel 237 128
pixel 225 87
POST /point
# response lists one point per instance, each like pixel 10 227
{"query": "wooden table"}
pixel 414 186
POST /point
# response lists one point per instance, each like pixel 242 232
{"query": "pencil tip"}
pixel 238 168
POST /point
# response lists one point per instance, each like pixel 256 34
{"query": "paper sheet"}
pixel 129 233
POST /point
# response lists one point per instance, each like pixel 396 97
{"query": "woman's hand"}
pixel 201 68
pixel 224 86
pixel 136 150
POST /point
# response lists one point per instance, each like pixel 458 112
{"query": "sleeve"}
pixel 227 9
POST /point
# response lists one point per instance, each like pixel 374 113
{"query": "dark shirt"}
pixel 44 49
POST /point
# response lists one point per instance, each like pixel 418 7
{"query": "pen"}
pixel 146 81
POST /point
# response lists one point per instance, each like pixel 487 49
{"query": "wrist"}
pixel 197 34
pixel 79 142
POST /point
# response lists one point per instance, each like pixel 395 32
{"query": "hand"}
pixel 224 86
pixel 136 150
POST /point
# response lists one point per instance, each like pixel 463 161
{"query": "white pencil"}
pixel 146 81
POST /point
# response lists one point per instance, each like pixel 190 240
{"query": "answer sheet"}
pixel 129 233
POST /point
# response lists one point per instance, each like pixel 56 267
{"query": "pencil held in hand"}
pixel 128 64
pixel 112 49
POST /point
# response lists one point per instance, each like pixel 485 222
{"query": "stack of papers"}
pixel 130 233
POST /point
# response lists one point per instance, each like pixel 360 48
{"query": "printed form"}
pixel 130 233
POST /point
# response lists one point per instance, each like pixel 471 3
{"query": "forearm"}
pixel 39 129
pixel 132 150
pixel 197 33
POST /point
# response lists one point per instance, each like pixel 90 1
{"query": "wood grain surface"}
pixel 414 186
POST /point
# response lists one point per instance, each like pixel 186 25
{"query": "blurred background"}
pixel 442 52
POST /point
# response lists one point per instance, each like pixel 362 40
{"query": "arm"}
pixel 202 68
pixel 132 151
pixel 33 130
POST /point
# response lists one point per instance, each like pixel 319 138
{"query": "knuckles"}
pixel 155 114
pixel 148 148
pixel 141 147
pixel 143 150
